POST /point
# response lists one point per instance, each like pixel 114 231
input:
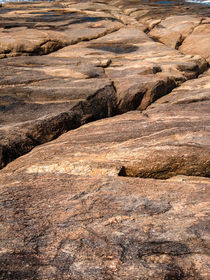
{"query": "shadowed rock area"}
pixel 123 193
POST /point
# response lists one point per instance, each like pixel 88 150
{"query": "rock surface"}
pixel 121 198
pixel 43 96
pixel 69 227
pixel 164 141
pixel 68 213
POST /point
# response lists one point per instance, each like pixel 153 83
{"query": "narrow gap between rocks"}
pixel 165 173
pixel 53 127
pixel 105 105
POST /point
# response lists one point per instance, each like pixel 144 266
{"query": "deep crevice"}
pixel 100 105
pixel 66 123
pixel 165 173
pixel 50 129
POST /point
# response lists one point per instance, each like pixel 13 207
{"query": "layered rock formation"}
pixel 124 197
pixel 45 96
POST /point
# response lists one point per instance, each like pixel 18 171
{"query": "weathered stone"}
pixel 152 69
pixel 191 91
pixel 173 30
pixel 70 208
pixel 173 24
pixel 198 42
pixel 41 31
pixel 68 227
pixel 45 96
pixel 162 142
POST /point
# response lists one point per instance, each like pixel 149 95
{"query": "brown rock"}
pixel 198 42
pixel 173 30
pixel 66 213
pixel 69 209
pixel 152 69
pixel 45 96
pixel 39 31
pixel 191 91
pixel 173 24
pixel 68 227
pixel 162 142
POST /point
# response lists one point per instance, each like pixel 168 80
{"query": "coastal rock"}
pixel 118 197
pixel 173 25
pixel 184 33
pixel 38 31
pixel 163 141
pixel 173 30
pixel 45 96
pixel 76 227
pixel 152 69
pixel 198 42
pixel 191 91
pixel 70 209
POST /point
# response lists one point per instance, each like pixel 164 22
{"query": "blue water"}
pixel 204 2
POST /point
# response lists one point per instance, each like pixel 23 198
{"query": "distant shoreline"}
pixel 162 2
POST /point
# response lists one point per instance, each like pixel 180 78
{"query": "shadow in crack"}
pixel 117 48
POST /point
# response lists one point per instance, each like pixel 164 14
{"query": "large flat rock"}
pixel 198 41
pixel 120 198
pixel 43 96
pixel 173 25
pixel 67 227
pixel 173 30
pixel 151 68
pixel 70 209
pixel 41 29
pixel 191 91
pixel 163 141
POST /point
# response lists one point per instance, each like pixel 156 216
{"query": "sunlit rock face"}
pixel 114 97
pixel 65 64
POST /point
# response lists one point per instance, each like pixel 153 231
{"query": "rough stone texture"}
pixel 198 42
pixel 67 215
pixel 173 25
pixel 173 30
pixel 37 30
pixel 71 208
pixel 170 138
pixel 44 96
pixel 67 227
pixel 151 68
pixel 191 91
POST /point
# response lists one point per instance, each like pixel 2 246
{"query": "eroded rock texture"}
pixel 171 137
pixel 100 63
pixel 70 227
pixel 125 197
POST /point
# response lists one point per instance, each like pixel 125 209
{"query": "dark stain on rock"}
pixel 63 261
pixel 174 272
pixel 19 266
pixel 93 19
pixel 131 250
pixel 171 248
pixel 114 47
pixel 153 207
